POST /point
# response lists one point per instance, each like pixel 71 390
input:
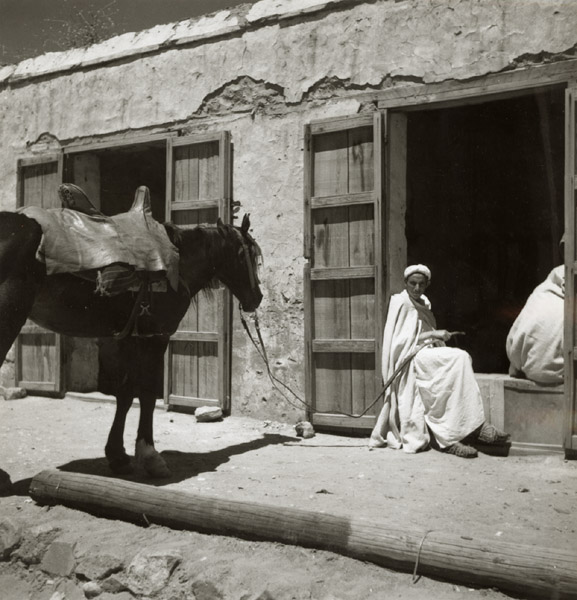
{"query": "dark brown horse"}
pixel 68 304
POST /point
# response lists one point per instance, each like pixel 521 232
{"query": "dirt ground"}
pixel 518 499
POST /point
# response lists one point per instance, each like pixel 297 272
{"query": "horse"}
pixel 67 304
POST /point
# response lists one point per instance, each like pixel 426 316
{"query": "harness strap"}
pixel 127 329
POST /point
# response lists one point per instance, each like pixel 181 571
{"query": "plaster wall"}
pixel 262 71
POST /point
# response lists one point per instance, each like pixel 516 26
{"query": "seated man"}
pixel 535 341
pixel 433 399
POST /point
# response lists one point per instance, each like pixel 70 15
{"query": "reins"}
pixel 261 350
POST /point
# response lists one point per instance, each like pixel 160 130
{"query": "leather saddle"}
pixel 75 198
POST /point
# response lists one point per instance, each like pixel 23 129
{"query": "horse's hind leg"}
pixel 150 356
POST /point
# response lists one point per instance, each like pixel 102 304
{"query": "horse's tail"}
pixel 20 237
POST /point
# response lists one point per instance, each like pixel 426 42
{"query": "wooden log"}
pixel 533 571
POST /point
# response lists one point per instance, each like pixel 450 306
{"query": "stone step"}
pixel 533 414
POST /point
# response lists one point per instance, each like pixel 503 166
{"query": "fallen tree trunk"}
pixel 533 571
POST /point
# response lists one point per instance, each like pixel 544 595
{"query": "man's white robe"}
pixel 436 389
pixel 535 341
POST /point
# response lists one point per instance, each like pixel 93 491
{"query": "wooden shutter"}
pixel 39 352
pixel 197 365
pixel 344 275
pixel 570 332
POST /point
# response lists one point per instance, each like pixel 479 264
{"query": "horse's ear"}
pixel 219 222
pixel 245 223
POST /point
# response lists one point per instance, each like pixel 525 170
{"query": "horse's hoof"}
pixel 121 466
pixel 148 459
pixel 156 468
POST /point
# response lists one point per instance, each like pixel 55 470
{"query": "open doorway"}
pixel 111 177
pixel 485 212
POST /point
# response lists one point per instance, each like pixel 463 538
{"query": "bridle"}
pixel 245 252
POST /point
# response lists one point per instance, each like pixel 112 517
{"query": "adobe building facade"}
pixel 359 135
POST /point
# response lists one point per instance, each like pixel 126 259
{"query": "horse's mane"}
pixel 213 244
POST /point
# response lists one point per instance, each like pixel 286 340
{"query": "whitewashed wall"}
pixel 262 71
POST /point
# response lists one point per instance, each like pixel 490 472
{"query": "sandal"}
pixel 461 450
pixel 489 434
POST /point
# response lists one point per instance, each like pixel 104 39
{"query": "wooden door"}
pixel 39 352
pixel 197 366
pixel 344 276
pixel 570 332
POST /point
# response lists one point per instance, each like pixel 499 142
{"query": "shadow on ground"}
pixel 183 465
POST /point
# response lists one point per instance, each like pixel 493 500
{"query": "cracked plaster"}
pixel 263 77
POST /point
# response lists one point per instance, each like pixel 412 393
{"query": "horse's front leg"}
pixel 118 460
pixel 150 353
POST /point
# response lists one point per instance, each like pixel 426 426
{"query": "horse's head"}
pixel 239 268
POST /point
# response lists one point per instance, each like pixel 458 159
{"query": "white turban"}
pixel 422 269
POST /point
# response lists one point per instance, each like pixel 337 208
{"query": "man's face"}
pixel 416 284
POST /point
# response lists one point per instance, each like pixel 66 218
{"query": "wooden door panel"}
pixel 361 235
pixel 330 164
pixel 198 356
pixel 332 309
pixel 343 279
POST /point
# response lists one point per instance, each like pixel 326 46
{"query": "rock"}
pixel 99 567
pixel 10 537
pixel 12 393
pixel 206 590
pixel 91 589
pixel 150 570
pixel 59 559
pixel 304 429
pixel 205 414
pixel 36 541
pixel 67 590
pixel 114 584
pixel 120 596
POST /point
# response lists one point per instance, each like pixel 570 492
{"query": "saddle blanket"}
pixel 74 242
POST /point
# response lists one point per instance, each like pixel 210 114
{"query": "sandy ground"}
pixel 518 499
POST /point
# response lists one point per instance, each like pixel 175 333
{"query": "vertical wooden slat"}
pixel 331 237
pixel 333 382
pixel 362 235
pixel 330 164
pixel 570 333
pixel 363 382
pixel 362 302
pixel 331 306
pixel 308 191
pixel 361 152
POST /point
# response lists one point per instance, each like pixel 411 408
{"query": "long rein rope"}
pixel 261 350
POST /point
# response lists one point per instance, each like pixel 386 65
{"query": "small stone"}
pixel 13 393
pixel 150 570
pixel 99 566
pixel 206 414
pixel 304 429
pixel 10 537
pixel 523 490
pixel 59 559
pixel 91 589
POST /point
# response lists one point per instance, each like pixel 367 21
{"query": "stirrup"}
pixel 461 450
